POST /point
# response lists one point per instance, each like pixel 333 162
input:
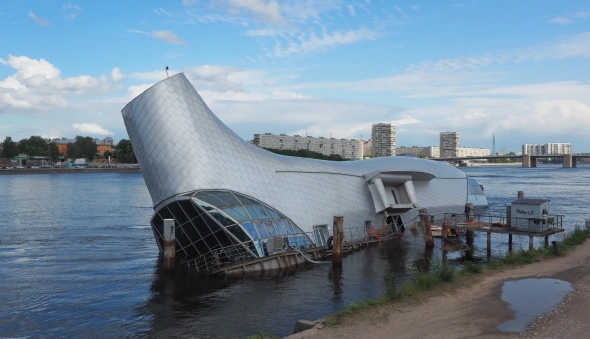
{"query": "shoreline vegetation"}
pixel 445 277
pixel 441 272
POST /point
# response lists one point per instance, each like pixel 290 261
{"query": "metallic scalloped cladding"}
pixel 183 148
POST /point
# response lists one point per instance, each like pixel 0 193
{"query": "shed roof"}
pixel 530 201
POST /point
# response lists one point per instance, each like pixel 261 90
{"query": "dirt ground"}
pixel 475 310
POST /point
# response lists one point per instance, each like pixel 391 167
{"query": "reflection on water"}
pixel 77 254
pixel 530 298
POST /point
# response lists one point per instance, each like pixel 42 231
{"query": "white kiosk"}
pixel 529 214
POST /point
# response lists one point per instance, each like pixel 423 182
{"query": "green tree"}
pixel 124 152
pixel 9 150
pixel 54 151
pixel 107 154
pixel 35 145
pixel 83 147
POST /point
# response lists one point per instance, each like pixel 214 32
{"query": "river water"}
pixel 78 259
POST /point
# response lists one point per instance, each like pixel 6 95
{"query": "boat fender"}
pixel 329 242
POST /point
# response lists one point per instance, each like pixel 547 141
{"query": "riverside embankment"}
pixel 472 307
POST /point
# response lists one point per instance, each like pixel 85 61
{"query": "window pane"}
pixel 273 214
pixel 238 232
pixel 188 208
pixel 261 229
pixel 213 201
pixel 235 213
pixel 279 227
pixel 228 199
pixel 221 218
pixel 179 215
pixel 250 229
pixel 252 212
pixel 261 212
pixel 213 226
pixel 270 229
pixel 201 227
pixel 242 199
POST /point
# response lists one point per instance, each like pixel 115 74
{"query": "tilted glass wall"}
pixel 215 227
pixel 475 195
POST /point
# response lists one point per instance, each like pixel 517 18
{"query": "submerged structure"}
pixel 233 201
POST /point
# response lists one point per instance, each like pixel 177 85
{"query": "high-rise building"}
pixel 423 152
pixel 367 145
pixel 552 148
pixel 347 148
pixel 449 144
pixel 383 138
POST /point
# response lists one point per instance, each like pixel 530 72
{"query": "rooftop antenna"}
pixel 167 76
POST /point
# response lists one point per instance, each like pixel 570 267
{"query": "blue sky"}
pixel 516 70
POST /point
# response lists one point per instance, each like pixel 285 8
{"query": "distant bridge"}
pixel 569 160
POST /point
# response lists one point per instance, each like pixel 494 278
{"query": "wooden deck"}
pixel 477 226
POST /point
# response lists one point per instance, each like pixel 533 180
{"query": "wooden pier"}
pixel 477 226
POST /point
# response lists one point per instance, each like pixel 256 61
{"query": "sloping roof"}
pixel 65 141
pixel 530 201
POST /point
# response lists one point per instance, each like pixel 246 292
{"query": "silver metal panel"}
pixel 181 146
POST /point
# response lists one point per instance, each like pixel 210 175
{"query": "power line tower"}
pixel 493 144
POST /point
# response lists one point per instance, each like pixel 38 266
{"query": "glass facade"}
pixel 215 227
pixel 475 195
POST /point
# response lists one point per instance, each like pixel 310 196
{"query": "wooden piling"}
pixel 510 242
pixel 530 243
pixel 546 241
pixel 426 230
pixel 338 240
pixel 169 245
pixel 489 243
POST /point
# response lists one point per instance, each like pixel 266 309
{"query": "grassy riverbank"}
pixel 444 277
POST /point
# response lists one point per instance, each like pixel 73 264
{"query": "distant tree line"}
pixel 35 146
pixel 82 147
pixel 303 153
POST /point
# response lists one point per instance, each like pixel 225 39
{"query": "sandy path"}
pixel 474 311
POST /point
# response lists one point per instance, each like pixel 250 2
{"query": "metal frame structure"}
pixel 193 164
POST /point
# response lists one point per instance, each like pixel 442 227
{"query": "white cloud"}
pixel 71 16
pixel 189 2
pixel 163 11
pixel 351 9
pixel 581 14
pixel 312 42
pixel 263 32
pixel 136 90
pixel 38 85
pixel 168 36
pixel 117 75
pixel 40 21
pixel 93 129
pixel 561 21
pixel 268 11
pixel 73 7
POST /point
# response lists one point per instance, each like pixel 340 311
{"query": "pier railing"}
pixel 498 219
pixel 220 256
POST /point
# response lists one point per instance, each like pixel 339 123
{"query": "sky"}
pixel 516 70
